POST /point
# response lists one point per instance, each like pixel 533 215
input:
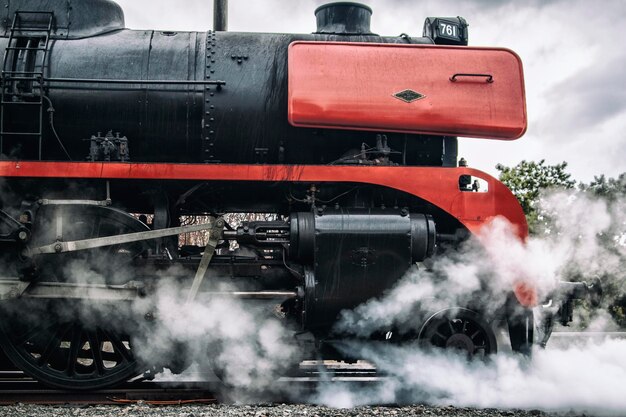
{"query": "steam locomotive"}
pixel 346 138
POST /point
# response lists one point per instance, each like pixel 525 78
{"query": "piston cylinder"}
pixel 355 255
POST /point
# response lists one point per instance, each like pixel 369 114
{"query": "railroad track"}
pixel 26 390
pixel 16 387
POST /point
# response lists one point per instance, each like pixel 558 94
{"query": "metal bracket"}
pixel 12 289
pixel 17 231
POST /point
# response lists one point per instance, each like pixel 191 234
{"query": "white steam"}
pixel 243 344
pixel 583 238
pixel 586 377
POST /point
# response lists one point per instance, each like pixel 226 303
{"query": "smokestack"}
pixel 220 15
pixel 343 18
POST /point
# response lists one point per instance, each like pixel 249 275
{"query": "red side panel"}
pixel 360 86
pixel 439 186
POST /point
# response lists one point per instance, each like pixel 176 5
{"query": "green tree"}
pixel 608 188
pixel 528 179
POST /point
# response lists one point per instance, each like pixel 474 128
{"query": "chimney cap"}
pixel 344 3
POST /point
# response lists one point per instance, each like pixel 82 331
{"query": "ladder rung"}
pixel 9 81
pixel 21 103
pixel 30 29
pixel 21 35
pixel 17 48
pixel 5 73
pixel 27 79
pixel 33 12
pixel 21 133
pixel 33 78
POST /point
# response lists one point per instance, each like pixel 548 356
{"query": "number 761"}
pixel 446 29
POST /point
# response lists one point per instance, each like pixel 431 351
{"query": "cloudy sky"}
pixel 573 52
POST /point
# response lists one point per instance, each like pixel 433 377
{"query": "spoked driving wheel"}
pixel 461 330
pixel 75 344
pixel 63 352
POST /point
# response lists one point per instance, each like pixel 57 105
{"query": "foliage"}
pixel 234 220
pixel 610 189
pixel 528 179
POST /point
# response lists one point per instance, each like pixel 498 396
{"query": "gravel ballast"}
pixel 280 410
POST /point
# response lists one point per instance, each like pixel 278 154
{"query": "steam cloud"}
pixel 245 345
pixel 584 377
pixel 582 238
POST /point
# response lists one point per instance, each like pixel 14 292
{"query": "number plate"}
pixel 449 30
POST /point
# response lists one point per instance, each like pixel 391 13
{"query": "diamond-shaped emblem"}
pixel 408 95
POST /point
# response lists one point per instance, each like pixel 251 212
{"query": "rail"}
pixel 218 83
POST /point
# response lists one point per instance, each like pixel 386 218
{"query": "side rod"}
pixel 99 242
